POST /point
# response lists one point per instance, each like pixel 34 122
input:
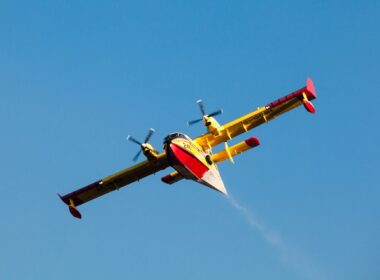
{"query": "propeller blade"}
pixel 132 139
pixel 193 122
pixel 202 107
pixel 150 133
pixel 218 112
pixel 142 145
pixel 135 158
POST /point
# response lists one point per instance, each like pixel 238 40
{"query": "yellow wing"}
pixel 114 182
pixel 260 116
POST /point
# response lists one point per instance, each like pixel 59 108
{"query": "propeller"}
pixel 142 145
pixel 203 111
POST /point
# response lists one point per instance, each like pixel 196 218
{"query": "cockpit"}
pixel 174 135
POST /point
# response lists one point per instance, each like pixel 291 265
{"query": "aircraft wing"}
pixel 113 182
pixel 261 115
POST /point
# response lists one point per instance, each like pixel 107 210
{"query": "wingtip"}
pixel 73 210
pixel 311 89
pixel 61 197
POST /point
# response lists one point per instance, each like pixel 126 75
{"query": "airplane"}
pixel 193 158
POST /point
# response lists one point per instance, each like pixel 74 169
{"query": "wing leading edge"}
pixel 261 115
pixel 113 182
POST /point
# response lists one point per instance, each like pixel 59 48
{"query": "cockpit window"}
pixel 171 136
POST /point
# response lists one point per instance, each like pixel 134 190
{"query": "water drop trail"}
pixel 289 256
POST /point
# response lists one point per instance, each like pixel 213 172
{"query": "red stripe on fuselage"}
pixel 193 164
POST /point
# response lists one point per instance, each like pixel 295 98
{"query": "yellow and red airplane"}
pixel 193 158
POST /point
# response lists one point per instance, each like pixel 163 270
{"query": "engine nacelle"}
pixel 212 125
pixel 150 152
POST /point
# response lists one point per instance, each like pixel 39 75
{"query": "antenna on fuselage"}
pixel 204 115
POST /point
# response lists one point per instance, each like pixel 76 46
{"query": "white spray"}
pixel 290 257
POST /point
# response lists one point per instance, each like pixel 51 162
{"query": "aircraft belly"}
pixel 191 167
pixel 189 162
pixel 213 180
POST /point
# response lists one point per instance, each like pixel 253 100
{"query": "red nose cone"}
pixel 309 106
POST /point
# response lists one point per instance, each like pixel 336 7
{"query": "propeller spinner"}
pixel 143 145
pixel 204 115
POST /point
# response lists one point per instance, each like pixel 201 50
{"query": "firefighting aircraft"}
pixel 193 158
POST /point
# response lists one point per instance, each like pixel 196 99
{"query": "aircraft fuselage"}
pixel 192 162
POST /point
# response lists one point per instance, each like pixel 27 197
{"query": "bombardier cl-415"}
pixel 193 158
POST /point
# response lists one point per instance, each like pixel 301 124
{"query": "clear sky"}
pixel 76 77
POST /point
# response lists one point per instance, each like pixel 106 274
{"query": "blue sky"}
pixel 78 76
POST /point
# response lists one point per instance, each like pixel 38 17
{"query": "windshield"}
pixel 172 136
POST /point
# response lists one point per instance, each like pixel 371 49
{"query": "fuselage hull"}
pixel 189 160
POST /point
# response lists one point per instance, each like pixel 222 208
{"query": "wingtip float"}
pixel 194 159
pixel 73 210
